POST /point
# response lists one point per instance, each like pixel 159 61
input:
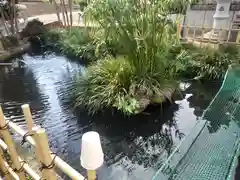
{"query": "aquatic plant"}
pixel 146 73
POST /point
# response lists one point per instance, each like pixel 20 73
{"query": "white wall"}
pixel 196 18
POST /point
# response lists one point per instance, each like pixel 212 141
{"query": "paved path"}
pixel 48 18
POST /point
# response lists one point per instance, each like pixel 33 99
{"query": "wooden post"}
pixel 42 144
pixel 194 33
pixel 66 168
pixel 28 116
pixel 203 30
pixel 92 175
pixel 11 171
pixel 12 150
pixel 179 27
pixel 209 39
pixel 26 167
pixel 220 35
pixel 3 167
pixel 187 32
pixel 238 36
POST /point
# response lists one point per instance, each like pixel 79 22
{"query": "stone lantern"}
pixel 220 21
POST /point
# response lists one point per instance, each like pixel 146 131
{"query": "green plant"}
pixel 203 62
pixel 113 82
pixel 73 42
pixel 105 84
pixel 208 63
pixel 142 32
pixel 139 29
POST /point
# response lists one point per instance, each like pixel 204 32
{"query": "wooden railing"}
pixel 197 34
pixel 37 137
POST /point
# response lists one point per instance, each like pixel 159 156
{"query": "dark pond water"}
pixel 134 147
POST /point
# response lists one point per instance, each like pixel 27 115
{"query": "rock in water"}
pixel 33 28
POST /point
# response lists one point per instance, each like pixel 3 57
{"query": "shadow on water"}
pixel 18 86
pixel 134 147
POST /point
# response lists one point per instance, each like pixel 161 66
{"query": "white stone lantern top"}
pixel 222 9
pixel 91 151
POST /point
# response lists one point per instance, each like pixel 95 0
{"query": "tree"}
pixel 9 14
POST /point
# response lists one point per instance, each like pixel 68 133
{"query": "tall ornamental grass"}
pixel 147 70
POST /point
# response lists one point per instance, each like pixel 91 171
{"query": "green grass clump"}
pixel 113 82
pixel 72 42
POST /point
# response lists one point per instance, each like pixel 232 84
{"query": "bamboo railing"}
pixel 194 37
pixel 37 137
pixel 197 34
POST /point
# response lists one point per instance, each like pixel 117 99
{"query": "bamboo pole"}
pixel 28 116
pixel 203 30
pixel 226 29
pixel 42 142
pixel 187 31
pixel 12 150
pixel 26 167
pixel 57 10
pixel 194 34
pixel 63 14
pixel 178 31
pixel 15 17
pixel 203 27
pixel 11 17
pixel 30 124
pixel 37 147
pixel 66 12
pixel 70 3
pixel 11 171
pixel 66 168
pixel 209 39
pixel 220 36
pixel 4 22
pixel 4 168
pixel 92 175
pixel 216 41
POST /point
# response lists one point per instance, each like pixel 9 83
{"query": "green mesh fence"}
pixel 210 151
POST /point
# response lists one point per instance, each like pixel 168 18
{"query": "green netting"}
pixel 210 151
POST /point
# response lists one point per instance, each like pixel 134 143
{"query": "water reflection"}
pixel 138 136
pixel 202 94
pixel 19 86
pixel 134 147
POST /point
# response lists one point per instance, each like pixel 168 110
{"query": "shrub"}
pixel 211 64
pixel 73 42
pixel 105 84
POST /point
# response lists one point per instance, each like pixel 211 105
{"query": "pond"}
pixel 134 147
